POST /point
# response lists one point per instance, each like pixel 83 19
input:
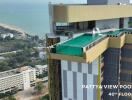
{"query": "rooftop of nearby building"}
pixel 13 72
pixel 41 66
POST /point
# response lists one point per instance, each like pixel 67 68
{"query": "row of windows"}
pixel 126 77
pixel 126 53
pixel 126 65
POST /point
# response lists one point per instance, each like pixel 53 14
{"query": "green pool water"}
pixel 75 45
pixel 82 40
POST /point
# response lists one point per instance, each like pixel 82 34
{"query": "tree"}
pixel 36 37
pixel 11 98
pixel 4 66
pixel 46 97
pixel 39 87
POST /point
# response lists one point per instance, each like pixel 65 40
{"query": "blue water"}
pixel 33 18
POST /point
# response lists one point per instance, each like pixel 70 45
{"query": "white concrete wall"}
pixel 26 80
pixel 110 23
pixel 90 71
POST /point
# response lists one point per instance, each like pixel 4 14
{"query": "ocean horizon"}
pixel 32 18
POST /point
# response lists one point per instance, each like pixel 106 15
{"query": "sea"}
pixel 32 18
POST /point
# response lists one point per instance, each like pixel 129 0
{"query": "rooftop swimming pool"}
pixel 82 40
pixel 75 45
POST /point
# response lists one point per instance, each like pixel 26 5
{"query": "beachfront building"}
pixel 21 78
pixel 98 53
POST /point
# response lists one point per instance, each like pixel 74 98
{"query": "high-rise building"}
pixel 97 53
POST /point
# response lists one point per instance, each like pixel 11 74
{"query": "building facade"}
pixel 74 76
pixel 20 78
pixel 40 69
pixel 90 57
pixel 97 63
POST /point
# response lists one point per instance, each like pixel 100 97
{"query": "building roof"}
pixel 8 73
pixel 13 71
pixel 41 66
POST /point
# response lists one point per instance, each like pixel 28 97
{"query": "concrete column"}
pixel 54 73
pixel 111 75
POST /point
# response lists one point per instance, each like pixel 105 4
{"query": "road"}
pixel 25 95
pixel 10 52
pixel 29 94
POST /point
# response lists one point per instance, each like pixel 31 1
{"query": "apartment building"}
pixel 20 78
pixel 99 53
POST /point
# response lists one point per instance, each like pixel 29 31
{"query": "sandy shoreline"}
pixel 11 27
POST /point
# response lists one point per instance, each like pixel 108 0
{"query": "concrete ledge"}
pixel 128 38
pixel 127 46
pixel 66 57
pixel 117 42
pixel 96 50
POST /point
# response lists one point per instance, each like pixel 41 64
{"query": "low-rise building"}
pixel 42 72
pixel 7 35
pixel 20 78
pixel 40 69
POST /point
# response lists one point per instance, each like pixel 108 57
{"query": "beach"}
pixel 11 27
pixel 32 18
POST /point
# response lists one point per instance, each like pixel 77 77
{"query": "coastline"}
pixel 11 27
